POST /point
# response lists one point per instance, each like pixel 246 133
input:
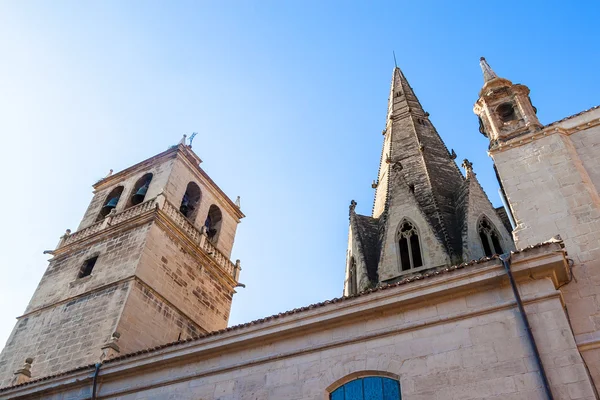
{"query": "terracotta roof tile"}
pixel 572 116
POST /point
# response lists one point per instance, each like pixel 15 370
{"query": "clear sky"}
pixel 288 99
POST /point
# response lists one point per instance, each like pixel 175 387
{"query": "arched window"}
pixel 139 190
pixel 368 388
pixel 410 246
pixel 352 278
pixel 490 239
pixel 190 201
pixel 110 202
pixel 213 222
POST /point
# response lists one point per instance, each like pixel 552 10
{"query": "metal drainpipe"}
pixel 95 380
pixel 505 258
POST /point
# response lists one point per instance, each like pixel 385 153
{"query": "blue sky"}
pixel 288 99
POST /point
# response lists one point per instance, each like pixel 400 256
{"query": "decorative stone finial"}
pixel 183 139
pixel 352 206
pixel 488 72
pixel 238 202
pixel 236 270
pixel 374 184
pixel 110 172
pixel 453 155
pixel 111 348
pixel 23 374
pixel 468 166
pixel 61 241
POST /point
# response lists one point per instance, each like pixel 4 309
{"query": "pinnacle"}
pixel 488 72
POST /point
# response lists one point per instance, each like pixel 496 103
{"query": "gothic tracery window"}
pixel 410 246
pixel 490 239
pixel 368 388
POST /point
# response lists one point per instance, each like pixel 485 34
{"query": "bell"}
pixel 185 204
pixel 112 203
pixel 139 196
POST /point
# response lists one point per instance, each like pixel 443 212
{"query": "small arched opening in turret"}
pixel 110 202
pixel 506 112
pixel 139 190
pixel 490 238
pixel 190 201
pixel 409 246
pixel 213 223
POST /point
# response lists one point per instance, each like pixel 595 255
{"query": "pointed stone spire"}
pixel 402 97
pixel 488 72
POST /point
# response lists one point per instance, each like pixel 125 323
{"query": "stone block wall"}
pixel 470 345
pixel 118 256
pixel 482 357
pixel 65 336
pixel 403 205
pixel 176 272
pixel 479 205
pixel 552 187
pixel 148 320
pixel 181 176
pixel 160 175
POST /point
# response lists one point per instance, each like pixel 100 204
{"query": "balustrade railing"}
pixel 200 238
pixel 173 213
pixel 110 219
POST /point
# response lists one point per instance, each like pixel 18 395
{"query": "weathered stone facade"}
pixel 550 175
pixel 158 277
pixel 418 182
pixel 454 335
pixel 522 326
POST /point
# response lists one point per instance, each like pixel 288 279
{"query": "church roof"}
pixel 573 116
pixel 368 237
pixel 405 281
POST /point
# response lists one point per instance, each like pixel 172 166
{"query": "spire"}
pixel 402 97
pixel 488 72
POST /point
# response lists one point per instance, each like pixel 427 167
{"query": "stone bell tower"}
pixel 149 264
pixel 550 177
pixel 504 109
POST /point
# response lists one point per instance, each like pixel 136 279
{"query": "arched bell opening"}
pixel 110 203
pixel 190 201
pixel 139 190
pixel 213 223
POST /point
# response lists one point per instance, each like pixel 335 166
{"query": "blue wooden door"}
pixel 369 388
